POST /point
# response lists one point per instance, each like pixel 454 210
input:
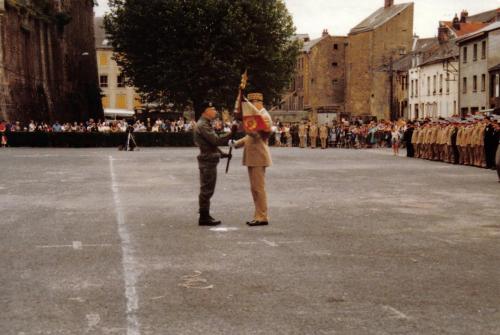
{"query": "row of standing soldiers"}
pixel 471 143
pixel 313 132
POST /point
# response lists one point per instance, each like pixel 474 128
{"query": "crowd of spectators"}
pixel 344 134
pixel 106 126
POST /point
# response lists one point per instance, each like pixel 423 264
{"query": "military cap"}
pixel 256 97
pixel 206 104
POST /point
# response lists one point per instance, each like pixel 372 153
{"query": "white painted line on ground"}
pixel 77 245
pixel 53 246
pixel 444 240
pixel 396 313
pixel 269 243
pixel 223 229
pixel 128 260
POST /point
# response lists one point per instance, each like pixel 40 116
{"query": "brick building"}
pixel 48 67
pixel 319 82
pixel 374 44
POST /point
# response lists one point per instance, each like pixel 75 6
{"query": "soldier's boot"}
pixel 206 219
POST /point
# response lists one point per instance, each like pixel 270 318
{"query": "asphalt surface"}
pixel 360 242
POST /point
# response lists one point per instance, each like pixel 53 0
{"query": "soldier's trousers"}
pixel 257 175
pixel 323 143
pixel 314 141
pixel 470 155
pixel 208 180
pixel 481 156
pixel 303 141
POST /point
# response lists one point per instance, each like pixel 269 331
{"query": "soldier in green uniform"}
pixel 208 159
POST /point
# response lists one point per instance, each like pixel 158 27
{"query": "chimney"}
pixel 443 36
pixel 456 22
pixel 325 33
pixel 389 3
pixel 463 16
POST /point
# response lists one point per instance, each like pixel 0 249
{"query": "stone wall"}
pixel 48 68
pixel 327 75
pixel 368 53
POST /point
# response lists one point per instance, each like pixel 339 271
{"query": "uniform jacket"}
pixel 302 131
pixel 323 132
pixel 313 131
pixel 207 140
pixel 256 150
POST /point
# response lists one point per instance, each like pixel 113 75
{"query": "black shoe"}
pixel 207 220
pixel 256 223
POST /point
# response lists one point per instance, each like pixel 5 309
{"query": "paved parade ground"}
pixel 97 241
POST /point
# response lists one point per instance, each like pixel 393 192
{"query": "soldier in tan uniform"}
pixel 414 140
pixel 481 154
pixel 257 157
pixel 427 142
pixel 313 134
pixel 439 139
pixel 461 144
pixel 323 135
pixel 303 135
pixel 433 141
pixel 467 140
pixel 449 157
pixel 442 142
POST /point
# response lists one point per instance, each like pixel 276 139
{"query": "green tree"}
pixel 187 51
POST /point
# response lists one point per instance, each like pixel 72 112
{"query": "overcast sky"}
pixel 339 16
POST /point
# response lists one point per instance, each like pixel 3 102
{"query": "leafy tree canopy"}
pixel 188 51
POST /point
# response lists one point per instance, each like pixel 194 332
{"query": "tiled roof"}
pixel 488 16
pixel 465 28
pixel 444 51
pixel 424 44
pixel 487 28
pixel 101 42
pixel 381 16
pixel 309 45
pixel 403 64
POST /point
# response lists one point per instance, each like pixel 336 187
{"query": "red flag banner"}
pixel 254 120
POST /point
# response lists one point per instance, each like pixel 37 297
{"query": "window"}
pixel 428 86
pixel 120 80
pixel 334 64
pixel 474 55
pixel 464 56
pixel 335 46
pixel 464 88
pixel 434 85
pixel 483 83
pixel 483 50
pixel 103 81
pixel 441 84
pixel 103 59
pixel 474 84
pixel 121 101
pixel 105 101
pixel 416 88
pixel 412 89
